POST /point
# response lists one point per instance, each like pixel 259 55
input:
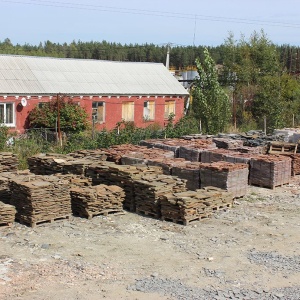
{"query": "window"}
pixel 149 109
pixel 128 111
pixel 98 111
pixel 7 116
pixel 41 104
pixel 169 108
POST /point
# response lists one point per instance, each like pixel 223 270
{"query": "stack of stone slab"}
pixel 270 171
pixel 167 164
pixel 295 164
pixel 5 178
pixel 165 144
pixel 143 154
pixel 148 190
pixel 7 214
pixel 228 143
pixel 232 177
pixel 47 163
pixel 189 206
pixel 121 175
pixel 216 155
pixel 193 149
pixel 96 155
pixel 39 199
pixel 251 150
pixel 190 171
pixel 97 200
pixel 8 162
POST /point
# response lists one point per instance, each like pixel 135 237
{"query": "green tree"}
pixel 210 103
pixel 72 117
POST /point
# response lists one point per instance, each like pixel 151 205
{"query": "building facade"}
pixel 110 92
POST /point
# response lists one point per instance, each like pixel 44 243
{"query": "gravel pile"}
pixel 275 261
pixel 178 290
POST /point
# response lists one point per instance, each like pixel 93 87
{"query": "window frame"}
pixel 167 105
pixel 128 103
pixel 4 104
pixel 150 105
pixel 95 116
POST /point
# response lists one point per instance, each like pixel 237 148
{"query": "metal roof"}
pixel 29 75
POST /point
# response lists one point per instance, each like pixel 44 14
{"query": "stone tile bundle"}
pixel 166 164
pixel 143 154
pixel 232 177
pixel 101 199
pixel 251 150
pixel 295 164
pixel 270 171
pixel 8 162
pixel 148 190
pixel 189 206
pixel 192 150
pixel 7 214
pixel 190 171
pixel 40 199
pixel 121 175
pixel 5 178
pixel 228 143
pixel 166 144
pixel 47 163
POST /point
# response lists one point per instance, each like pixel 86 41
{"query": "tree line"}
pixel 180 56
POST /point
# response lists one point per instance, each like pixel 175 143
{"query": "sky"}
pixel 179 22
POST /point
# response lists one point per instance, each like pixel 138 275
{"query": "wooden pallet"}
pixel 105 213
pixel 267 186
pixel 282 148
pixel 40 222
pixel 5 225
pixel 196 218
pixel 224 206
pixel 147 213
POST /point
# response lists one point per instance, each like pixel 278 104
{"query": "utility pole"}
pixel 168 57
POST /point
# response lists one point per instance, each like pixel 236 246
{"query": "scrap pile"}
pixel 7 213
pixel 8 162
pixel 121 175
pixel 149 188
pixel 101 199
pixel 189 206
pixel 39 199
pixel 190 171
pixel 228 176
pixel 270 170
pixel 166 165
pixel 228 143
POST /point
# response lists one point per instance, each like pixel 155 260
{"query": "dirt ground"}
pixel 254 246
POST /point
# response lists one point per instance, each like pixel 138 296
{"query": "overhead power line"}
pixel 157 13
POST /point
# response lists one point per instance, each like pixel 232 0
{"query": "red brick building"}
pixel 110 91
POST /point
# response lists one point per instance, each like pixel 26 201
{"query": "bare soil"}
pixel 253 246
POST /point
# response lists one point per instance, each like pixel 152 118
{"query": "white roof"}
pixel 29 75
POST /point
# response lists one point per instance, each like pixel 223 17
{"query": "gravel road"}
pixel 251 251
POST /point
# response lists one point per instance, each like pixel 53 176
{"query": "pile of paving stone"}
pixel 47 163
pixel 166 165
pixel 192 151
pixel 148 190
pixel 295 164
pixel 101 199
pixel 8 162
pixel 270 171
pixel 7 213
pixel 40 199
pixel 216 155
pixel 5 178
pixel 190 171
pixel 189 206
pixel 96 155
pixel 144 154
pixel 228 143
pixel 232 177
pixel 121 175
